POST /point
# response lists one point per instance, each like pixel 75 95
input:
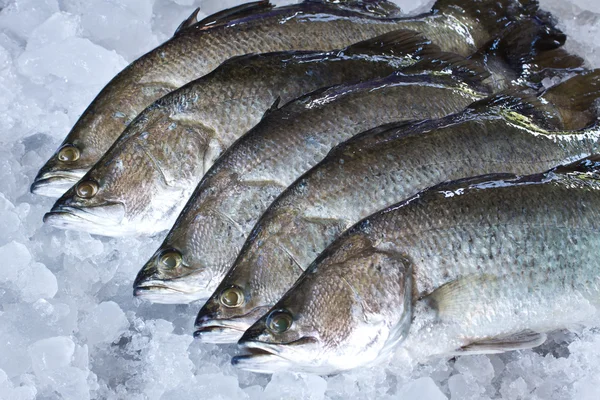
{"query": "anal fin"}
pixel 499 344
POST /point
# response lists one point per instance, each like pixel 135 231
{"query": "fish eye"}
pixel 69 153
pixel 232 297
pixel 170 259
pixel 279 321
pixel 86 189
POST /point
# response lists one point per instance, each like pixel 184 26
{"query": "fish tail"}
pixel 515 53
pixel 493 15
pixel 576 100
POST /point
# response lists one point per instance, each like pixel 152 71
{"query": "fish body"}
pixel 375 170
pixel 197 49
pixel 480 265
pixel 142 183
pixel 234 193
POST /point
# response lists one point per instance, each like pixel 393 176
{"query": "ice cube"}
pixel 422 388
pixel 104 324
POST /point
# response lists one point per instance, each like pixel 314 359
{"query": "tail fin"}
pixel 492 15
pixel 576 99
pixel 509 57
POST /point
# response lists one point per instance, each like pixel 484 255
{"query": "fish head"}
pixel 126 191
pixel 286 338
pixel 86 143
pixel 258 278
pixel 341 314
pixel 174 276
pixel 190 263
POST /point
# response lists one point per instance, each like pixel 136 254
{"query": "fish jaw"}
pixel 159 292
pixel 55 183
pixel 150 286
pixel 211 329
pixel 269 358
pixel 99 220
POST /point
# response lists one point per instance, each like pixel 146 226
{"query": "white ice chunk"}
pixel 422 388
pixel 36 282
pixel 51 361
pixel 16 257
pixel 22 16
pixel 295 386
pixel 76 60
pixel 104 324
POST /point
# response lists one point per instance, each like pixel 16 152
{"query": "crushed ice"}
pixel 69 326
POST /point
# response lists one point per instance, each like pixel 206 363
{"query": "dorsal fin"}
pixel 467 70
pixel 380 8
pixel 229 14
pixel 274 106
pixel 396 43
pixel 189 21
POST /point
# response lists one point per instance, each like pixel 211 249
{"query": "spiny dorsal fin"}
pixel 396 43
pixel 229 14
pixel 467 70
pixel 189 21
pixel 274 106
pixel 380 8
pixel 577 99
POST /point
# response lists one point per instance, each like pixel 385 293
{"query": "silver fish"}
pixel 481 265
pixel 207 236
pixel 141 184
pixel 197 48
pixel 379 168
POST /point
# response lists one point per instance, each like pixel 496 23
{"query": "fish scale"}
pixel 381 168
pixel 198 49
pixel 494 295
pixel 258 167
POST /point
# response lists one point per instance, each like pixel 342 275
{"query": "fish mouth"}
pixel 103 219
pixel 267 358
pixel 55 184
pixel 160 291
pixel 261 357
pixel 221 331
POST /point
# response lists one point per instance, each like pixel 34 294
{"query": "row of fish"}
pixel 271 169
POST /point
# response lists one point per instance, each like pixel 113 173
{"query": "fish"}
pixel 142 182
pixel 197 48
pixel 202 244
pixel 509 132
pixel 481 265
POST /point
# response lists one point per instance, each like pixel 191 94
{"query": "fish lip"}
pixel 209 330
pixel 156 291
pixel 54 184
pixel 264 357
pixel 63 216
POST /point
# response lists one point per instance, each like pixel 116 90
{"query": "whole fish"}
pixel 482 265
pixel 379 168
pixel 197 48
pixel 233 194
pixel 142 183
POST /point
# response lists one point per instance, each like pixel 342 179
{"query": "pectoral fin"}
pixel 499 344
